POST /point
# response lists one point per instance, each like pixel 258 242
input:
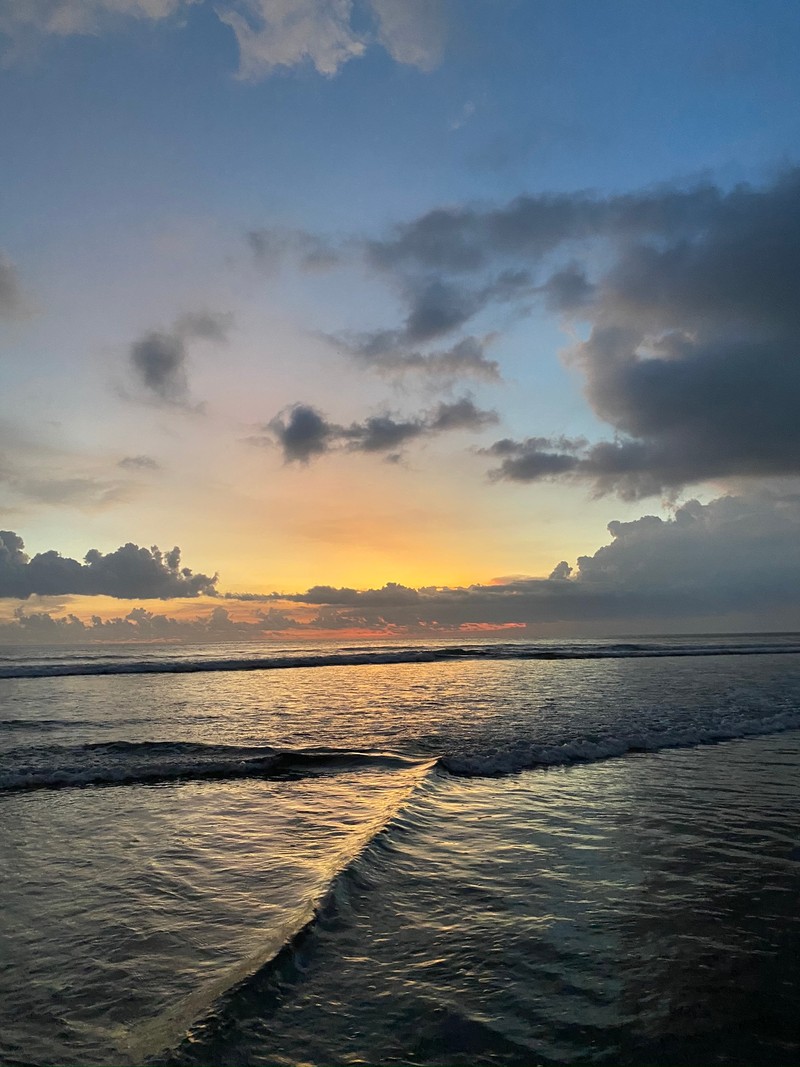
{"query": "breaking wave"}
pixel 152 762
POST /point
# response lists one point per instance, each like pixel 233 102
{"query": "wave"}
pixel 354 657
pixel 522 755
pixel 121 763
pixel 154 762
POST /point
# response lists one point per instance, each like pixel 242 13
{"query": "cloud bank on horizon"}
pixel 738 556
pixel 130 572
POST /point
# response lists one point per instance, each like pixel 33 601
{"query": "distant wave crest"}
pixel 181 663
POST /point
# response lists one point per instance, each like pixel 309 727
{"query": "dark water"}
pixel 466 859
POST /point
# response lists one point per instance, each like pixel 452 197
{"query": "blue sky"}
pixel 217 183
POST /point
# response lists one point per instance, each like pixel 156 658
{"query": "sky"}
pixel 399 318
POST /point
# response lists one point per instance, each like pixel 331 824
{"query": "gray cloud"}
pixel 129 572
pixel 139 463
pixel 158 360
pixel 466 239
pixel 271 246
pixel 10 294
pixel 387 352
pixel 205 326
pixel 691 299
pixel 46 483
pixel 736 557
pixel 42 627
pixel 302 432
pixel 460 415
pixel 437 308
pixel 734 562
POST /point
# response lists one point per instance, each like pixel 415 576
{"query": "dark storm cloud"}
pixel 159 358
pixel 302 432
pixel 691 297
pixel 129 572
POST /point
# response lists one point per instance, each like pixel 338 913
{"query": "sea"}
pixel 563 852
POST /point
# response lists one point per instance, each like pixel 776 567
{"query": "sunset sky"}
pixel 435 317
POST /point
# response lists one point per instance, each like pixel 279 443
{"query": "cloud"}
pixel 205 325
pixel 412 31
pixel 56 489
pixel 139 463
pixel 388 352
pixel 42 627
pixel 733 562
pixel 158 359
pixel 689 296
pixel 272 245
pixel 303 433
pixel 282 34
pixel 736 551
pixel 129 572
pixel 38 467
pixel 286 33
pixel 24 21
pixel 737 556
pixel 10 295
pixel 271 34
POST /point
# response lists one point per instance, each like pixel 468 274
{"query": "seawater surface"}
pixel 556 853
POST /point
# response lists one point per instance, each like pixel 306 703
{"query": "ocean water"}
pixel 575 852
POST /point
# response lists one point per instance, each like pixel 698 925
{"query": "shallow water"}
pixel 617 899
pixel 642 910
